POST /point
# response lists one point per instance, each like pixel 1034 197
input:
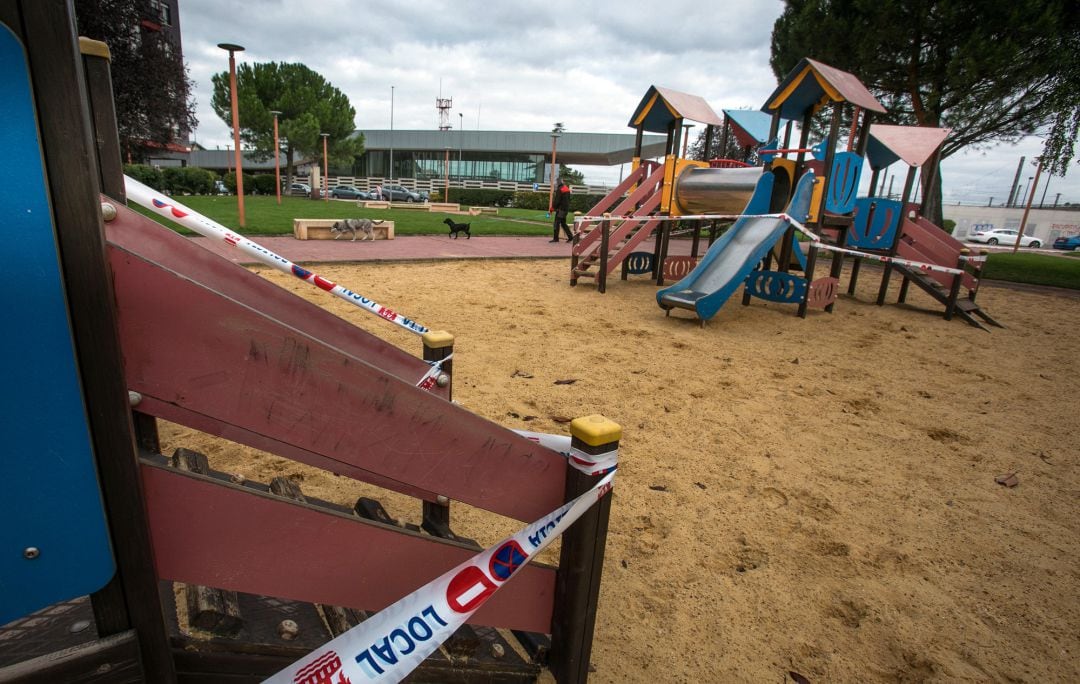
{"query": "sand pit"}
pixel 815 495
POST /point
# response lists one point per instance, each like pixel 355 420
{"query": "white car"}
pixel 1004 236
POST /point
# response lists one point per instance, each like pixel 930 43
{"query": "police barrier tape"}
pixel 389 645
pixel 923 266
pixel 170 209
pixel 430 378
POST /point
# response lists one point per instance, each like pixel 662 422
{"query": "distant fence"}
pixel 368 183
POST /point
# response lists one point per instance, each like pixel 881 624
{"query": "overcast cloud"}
pixel 512 65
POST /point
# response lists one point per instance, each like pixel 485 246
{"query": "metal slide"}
pixel 738 251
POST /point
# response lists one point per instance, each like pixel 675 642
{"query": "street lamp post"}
pixel 1027 208
pixel 325 170
pixel 686 137
pixel 232 49
pixel 461 144
pixel 551 191
pixel 277 158
pixel 390 193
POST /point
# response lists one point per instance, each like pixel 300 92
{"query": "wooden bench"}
pixel 373 204
pixel 445 207
pixel 319 229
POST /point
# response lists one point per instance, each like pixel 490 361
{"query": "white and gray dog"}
pixel 364 226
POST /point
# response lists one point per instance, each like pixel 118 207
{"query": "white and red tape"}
pixel 388 646
pixel 173 210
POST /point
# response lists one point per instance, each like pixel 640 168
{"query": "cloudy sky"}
pixel 523 65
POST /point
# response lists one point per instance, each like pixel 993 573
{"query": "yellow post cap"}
pixel 595 430
pixel 437 339
pixel 94 48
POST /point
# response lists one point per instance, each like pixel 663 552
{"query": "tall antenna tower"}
pixel 443 104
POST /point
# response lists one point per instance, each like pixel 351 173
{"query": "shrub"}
pixel 249 182
pixel 263 184
pixel 948 225
pixel 479 197
pixel 530 200
pixel 539 201
pixel 188 180
pixel 145 174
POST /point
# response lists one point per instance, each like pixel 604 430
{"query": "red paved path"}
pixel 420 247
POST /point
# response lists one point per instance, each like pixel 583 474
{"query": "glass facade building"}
pixel 515 156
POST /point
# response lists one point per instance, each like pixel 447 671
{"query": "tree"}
pixel 309 106
pixel 570 176
pixel 696 149
pixel 991 70
pixel 151 88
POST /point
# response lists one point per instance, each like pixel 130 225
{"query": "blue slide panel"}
pixel 54 542
pixel 738 251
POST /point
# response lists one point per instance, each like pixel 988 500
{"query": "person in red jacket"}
pixel 562 208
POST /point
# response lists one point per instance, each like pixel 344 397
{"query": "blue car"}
pixel 1071 242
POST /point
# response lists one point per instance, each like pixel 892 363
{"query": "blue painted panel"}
pixel 844 182
pixel 775 286
pixel 639 262
pixel 48 481
pixel 876 228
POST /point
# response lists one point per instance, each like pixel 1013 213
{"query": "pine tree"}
pixel 151 87
pixel 991 70
pixel 309 106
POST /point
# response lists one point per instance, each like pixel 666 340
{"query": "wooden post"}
pixel 577 584
pixel 811 262
pixel 884 288
pixel 855 264
pixel 954 292
pixel 828 182
pixel 98 76
pixel 605 235
pixel 662 243
pixel 131 600
pixel 697 239
pixel 438 345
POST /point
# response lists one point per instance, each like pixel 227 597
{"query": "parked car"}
pixel 349 192
pixel 399 193
pixel 303 190
pixel 1004 236
pixel 1072 242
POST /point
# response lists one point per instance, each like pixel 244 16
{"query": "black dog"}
pixel 456 228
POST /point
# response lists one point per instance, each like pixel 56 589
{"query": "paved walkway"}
pixel 415 247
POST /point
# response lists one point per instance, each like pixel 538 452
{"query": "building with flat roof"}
pixel 516 156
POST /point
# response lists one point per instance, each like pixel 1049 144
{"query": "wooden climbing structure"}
pixel 126 564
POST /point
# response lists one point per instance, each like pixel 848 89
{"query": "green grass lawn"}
pixel 264 216
pixel 1036 269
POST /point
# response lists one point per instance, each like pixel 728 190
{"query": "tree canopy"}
pixel 309 106
pixel 151 89
pixel 991 70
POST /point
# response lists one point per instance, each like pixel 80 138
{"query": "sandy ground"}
pixel 815 496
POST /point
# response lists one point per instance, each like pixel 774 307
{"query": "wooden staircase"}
pixel 922 241
pixel 965 308
pixel 604 245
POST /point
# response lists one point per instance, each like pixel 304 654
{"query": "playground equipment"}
pixel 896 230
pixel 733 258
pixel 114 552
pixel 774 267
